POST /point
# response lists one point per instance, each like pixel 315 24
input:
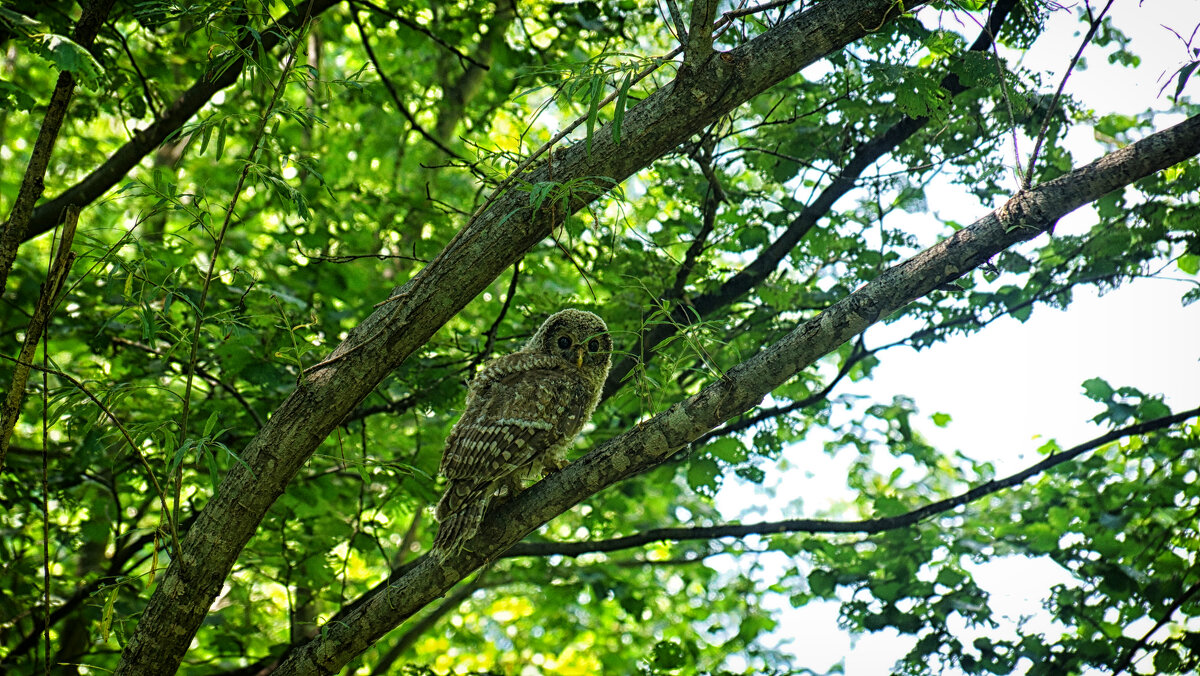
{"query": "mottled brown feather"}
pixel 522 410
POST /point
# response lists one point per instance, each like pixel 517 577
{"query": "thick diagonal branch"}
pixel 480 252
pixel 862 158
pixel 742 387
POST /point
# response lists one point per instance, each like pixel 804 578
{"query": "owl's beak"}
pixel 579 357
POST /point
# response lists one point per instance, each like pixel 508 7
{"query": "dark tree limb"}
pixel 742 387
pixel 387 83
pixel 490 242
pixel 864 156
pixel 1183 598
pixel 866 526
pixel 412 25
pixel 424 624
pixel 10 410
pixel 19 219
pixel 220 75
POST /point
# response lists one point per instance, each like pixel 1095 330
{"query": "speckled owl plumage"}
pixel 523 410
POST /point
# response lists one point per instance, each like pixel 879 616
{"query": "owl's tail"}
pixel 460 512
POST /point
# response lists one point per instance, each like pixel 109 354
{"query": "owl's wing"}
pixel 511 421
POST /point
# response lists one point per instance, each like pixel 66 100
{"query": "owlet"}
pixel 523 410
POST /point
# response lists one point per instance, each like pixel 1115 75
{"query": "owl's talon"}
pixel 554 467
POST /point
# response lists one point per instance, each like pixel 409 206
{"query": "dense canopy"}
pixel 253 253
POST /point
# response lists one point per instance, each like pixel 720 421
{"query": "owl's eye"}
pixel 593 345
pixel 564 342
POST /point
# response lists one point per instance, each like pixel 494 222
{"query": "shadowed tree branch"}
pixel 220 75
pixel 490 242
pixel 19 222
pixel 867 526
pixel 1024 216
pixel 864 156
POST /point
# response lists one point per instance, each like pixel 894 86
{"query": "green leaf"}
pixel 704 476
pixel 106 617
pixel 205 135
pixel 210 424
pixel 619 112
pixel 597 93
pixel 1097 390
pixel 1184 73
pixel 950 578
pixel 539 192
pixel 668 656
pixel 728 449
pixel 214 470
pixel 941 419
pixel 822 583
pixel 15 98
pixel 1166 660
pixel 220 141
pixel 179 453
pixel 1189 263
pixel 238 458
pixel 69 56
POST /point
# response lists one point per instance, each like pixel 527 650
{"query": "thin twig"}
pixel 868 526
pixel 233 391
pixel 346 258
pixel 1037 147
pixel 412 121
pixel 57 274
pixel 259 135
pixel 71 221
pixel 677 19
pixel 1141 643
pixel 766 6
pixel 495 327
pixel 154 108
pixel 408 23
pixel 124 432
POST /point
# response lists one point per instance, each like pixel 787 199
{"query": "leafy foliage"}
pixel 314 205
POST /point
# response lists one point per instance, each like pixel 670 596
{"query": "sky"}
pixel 1013 381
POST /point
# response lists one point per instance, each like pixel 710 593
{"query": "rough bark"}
pixel 1024 216
pixel 473 259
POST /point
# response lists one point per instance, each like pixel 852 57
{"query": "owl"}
pixel 523 410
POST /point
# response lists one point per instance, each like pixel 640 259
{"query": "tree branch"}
pixel 867 526
pixel 865 155
pixel 1145 639
pixel 387 83
pixel 219 76
pixel 742 387
pixel 33 182
pixel 412 25
pixel 700 34
pixel 418 628
pixel 10 410
pixel 490 242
